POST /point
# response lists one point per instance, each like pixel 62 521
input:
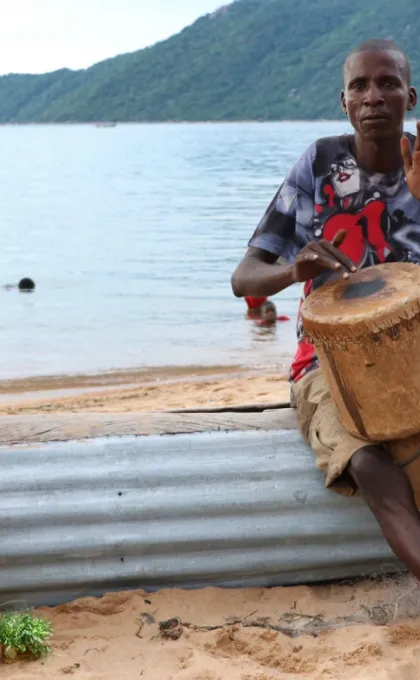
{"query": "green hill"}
pixel 254 59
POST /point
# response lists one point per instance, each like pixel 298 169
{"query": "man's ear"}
pixel 412 99
pixel 343 102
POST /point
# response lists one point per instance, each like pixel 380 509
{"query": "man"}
pixel 349 202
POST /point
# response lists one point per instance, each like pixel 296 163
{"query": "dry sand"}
pixel 259 634
pixel 326 632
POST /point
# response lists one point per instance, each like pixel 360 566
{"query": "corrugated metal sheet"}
pixel 239 508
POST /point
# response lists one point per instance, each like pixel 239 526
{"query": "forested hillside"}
pixel 253 59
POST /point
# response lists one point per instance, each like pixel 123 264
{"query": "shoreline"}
pixel 146 389
pixel 112 377
pixel 243 121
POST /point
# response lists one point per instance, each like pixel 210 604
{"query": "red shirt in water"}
pixel 255 302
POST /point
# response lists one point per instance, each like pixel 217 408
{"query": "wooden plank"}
pixel 31 429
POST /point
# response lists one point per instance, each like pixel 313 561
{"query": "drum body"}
pixel 366 330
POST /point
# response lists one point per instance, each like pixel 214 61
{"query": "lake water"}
pixel 131 234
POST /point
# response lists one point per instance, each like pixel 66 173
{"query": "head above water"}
pixel 26 285
pixel 268 311
pixel 377 89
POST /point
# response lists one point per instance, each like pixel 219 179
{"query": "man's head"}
pixel 377 89
pixel 26 285
pixel 269 312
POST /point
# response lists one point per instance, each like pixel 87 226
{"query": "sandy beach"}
pixel 355 631
pixel 350 631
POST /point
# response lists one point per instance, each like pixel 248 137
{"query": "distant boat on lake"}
pixel 107 124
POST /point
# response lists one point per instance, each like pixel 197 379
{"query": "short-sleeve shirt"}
pixel 328 190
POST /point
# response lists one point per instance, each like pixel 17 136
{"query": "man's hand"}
pixel 412 163
pixel 320 256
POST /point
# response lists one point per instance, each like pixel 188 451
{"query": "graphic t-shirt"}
pixel 327 190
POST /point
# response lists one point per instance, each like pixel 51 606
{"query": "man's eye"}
pixel 358 86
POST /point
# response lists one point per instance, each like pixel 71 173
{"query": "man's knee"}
pixel 383 484
pixel 365 463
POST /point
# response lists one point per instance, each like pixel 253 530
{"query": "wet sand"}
pixel 144 390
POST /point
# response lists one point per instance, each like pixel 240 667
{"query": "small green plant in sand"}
pixel 22 634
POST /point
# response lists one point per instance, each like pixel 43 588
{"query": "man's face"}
pixel 376 94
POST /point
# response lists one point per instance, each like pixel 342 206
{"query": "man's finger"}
pixel 339 238
pixel 324 262
pixel 321 259
pixel 417 144
pixel 343 259
pixel 415 160
pixel 406 153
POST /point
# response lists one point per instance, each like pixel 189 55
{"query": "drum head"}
pixel 371 300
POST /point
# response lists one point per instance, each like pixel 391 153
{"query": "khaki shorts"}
pixel 334 446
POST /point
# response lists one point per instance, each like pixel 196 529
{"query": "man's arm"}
pixel 261 273
pixel 279 254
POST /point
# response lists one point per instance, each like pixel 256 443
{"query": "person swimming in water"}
pixel 269 315
pixel 25 285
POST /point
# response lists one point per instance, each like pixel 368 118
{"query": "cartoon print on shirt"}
pixel 354 204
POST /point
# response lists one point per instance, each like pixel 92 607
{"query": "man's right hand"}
pixel 318 257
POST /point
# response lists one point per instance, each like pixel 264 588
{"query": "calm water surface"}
pixel 131 234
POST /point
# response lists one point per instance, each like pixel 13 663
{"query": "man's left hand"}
pixel 412 163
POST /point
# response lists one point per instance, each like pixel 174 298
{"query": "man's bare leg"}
pixel 389 495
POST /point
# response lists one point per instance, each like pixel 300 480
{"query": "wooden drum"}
pixel 366 330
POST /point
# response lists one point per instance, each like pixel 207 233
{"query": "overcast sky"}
pixel 43 35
